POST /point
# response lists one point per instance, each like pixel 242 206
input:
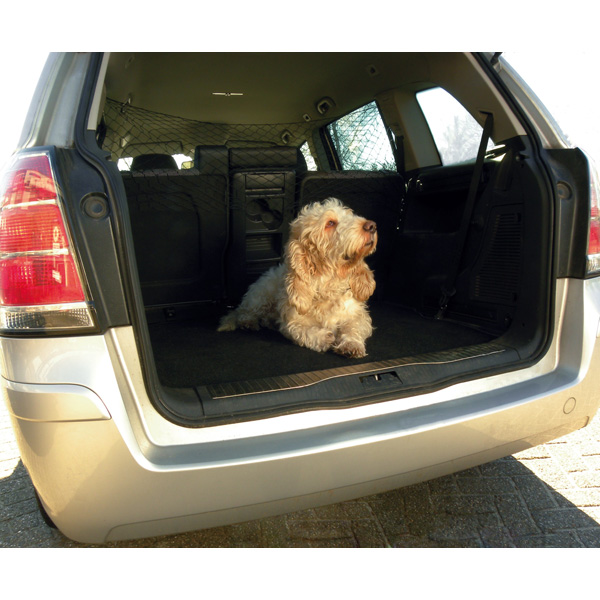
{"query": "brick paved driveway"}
pixel 548 496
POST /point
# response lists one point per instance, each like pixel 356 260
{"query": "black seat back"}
pixel 179 224
pixel 263 202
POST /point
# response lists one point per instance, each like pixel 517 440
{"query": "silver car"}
pixel 150 190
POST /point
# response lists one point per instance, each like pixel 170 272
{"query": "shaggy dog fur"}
pixel 317 296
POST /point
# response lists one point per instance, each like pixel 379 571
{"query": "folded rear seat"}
pixel 263 202
pixel 179 225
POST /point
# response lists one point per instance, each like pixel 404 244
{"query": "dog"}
pixel 317 296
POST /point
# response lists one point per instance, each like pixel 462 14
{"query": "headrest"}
pixel 148 162
pixel 265 158
pixel 211 160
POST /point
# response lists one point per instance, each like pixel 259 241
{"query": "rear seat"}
pixel 205 234
pixel 263 202
pixel 375 195
pixel 179 224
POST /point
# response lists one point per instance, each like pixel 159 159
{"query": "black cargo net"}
pixel 359 139
pixel 203 191
pixel 135 132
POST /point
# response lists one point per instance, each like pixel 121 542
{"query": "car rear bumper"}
pixel 108 467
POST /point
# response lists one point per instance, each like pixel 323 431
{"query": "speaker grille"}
pixel 498 274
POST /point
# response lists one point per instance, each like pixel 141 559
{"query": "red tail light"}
pixel 593 258
pixel 40 286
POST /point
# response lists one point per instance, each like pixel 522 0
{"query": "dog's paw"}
pixel 321 341
pixel 228 323
pixel 251 324
pixel 236 320
pixel 351 349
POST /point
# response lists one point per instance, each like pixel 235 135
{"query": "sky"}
pixel 19 75
pixel 567 81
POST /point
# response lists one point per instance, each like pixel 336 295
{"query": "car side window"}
pixel 361 141
pixel 455 132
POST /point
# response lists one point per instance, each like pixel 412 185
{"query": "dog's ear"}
pixel 300 271
pixel 362 282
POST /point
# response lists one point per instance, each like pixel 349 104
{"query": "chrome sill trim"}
pixel 289 382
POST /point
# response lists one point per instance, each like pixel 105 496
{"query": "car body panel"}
pixel 53 403
pixel 107 465
pixel 130 476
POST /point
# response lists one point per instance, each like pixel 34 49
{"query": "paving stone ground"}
pixel 548 496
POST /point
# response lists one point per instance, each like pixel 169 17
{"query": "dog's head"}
pixel 329 239
pixel 329 235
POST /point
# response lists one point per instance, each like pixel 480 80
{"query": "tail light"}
pixel 41 287
pixel 593 253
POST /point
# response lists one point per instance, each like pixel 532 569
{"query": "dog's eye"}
pixel 330 224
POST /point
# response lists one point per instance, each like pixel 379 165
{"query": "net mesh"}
pixel 132 131
pixel 210 203
pixel 360 139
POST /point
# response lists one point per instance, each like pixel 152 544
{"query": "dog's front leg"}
pixel 352 333
pixel 305 332
pixel 362 282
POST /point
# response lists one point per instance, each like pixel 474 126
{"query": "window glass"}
pixel 311 165
pixel 124 164
pixel 455 132
pixel 361 140
pixel 183 162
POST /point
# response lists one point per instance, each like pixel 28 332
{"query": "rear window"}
pixel 183 162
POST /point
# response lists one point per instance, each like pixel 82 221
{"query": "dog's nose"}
pixel 370 226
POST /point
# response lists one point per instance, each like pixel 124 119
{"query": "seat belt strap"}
pixel 448 289
pixel 397 143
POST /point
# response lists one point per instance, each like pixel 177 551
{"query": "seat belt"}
pixel 448 288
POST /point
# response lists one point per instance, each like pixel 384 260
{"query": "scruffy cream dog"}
pixel 316 297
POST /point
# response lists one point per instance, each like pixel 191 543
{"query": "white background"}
pixel 566 80
pixel 552 44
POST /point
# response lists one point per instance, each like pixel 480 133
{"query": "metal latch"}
pixel 380 380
